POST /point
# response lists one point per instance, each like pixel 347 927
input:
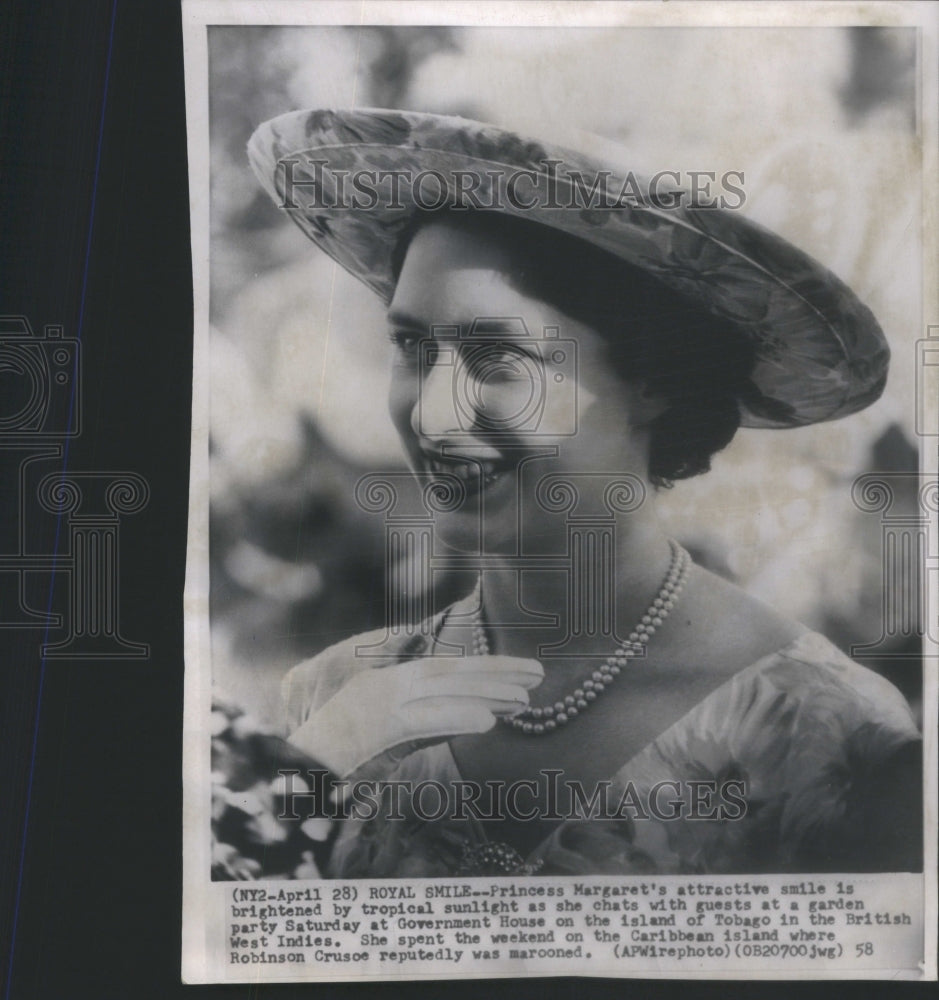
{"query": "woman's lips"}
pixel 474 472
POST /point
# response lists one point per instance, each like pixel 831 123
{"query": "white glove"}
pixel 398 708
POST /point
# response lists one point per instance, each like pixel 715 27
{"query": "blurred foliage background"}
pixel 823 124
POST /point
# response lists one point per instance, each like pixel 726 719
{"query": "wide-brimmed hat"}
pixel 354 181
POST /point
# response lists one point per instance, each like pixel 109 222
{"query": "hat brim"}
pixel 820 353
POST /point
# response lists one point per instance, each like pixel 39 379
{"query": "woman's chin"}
pixel 464 533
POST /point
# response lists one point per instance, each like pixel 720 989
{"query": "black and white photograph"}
pixel 468 507
pixel 563 491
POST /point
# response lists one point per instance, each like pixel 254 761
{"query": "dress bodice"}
pixel 792 761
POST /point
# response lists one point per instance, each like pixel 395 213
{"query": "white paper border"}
pixel 197 16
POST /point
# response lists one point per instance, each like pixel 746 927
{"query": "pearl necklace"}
pixel 538 721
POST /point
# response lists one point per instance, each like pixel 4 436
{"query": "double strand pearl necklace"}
pixel 538 721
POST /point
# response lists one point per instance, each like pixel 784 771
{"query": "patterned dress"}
pixel 826 751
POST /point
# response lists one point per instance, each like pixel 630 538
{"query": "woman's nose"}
pixel 436 412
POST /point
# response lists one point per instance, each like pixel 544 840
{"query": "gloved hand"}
pixel 391 711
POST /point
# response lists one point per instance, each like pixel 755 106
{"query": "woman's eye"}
pixel 405 342
pixel 502 360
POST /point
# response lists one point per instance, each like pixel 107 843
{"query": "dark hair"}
pixel 698 363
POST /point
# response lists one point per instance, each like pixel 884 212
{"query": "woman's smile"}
pixel 486 377
pixel 474 473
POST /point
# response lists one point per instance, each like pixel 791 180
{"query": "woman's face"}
pixel 488 381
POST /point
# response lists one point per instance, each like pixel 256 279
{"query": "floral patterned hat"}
pixel 354 180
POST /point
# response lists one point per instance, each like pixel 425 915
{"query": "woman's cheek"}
pixel 586 402
pixel 507 405
pixel 402 398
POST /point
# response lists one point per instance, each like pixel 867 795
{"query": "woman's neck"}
pixel 595 602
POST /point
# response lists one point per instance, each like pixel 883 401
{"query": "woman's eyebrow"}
pixel 485 326
pixel 398 318
pixel 510 326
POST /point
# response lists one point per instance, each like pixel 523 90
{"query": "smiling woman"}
pixel 554 366
pixel 468 407
pixel 697 366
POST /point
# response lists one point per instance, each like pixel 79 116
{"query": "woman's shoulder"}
pixel 805 701
pixel 763 664
pixel 814 656
pixel 812 671
pixel 821 754
pixel 723 628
